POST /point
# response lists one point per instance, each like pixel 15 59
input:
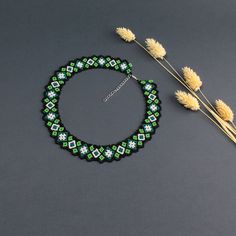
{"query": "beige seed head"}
pixel 187 100
pixel 192 79
pixel 225 112
pixel 155 48
pixel 125 34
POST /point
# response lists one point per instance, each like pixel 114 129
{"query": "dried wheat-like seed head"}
pixel 155 48
pixel 125 34
pixel 187 100
pixel 192 79
pixel 225 112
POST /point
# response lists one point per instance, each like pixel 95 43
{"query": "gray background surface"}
pixel 182 183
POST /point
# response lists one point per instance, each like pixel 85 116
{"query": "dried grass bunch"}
pixel 220 114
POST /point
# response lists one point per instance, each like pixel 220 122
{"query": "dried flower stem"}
pixel 226 126
pixel 172 67
pixel 223 124
pixel 229 127
pixel 180 80
pixel 207 100
pixel 233 124
pixel 229 135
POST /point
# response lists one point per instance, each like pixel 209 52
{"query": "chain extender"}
pixel 119 86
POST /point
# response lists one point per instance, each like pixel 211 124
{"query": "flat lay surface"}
pixel 181 183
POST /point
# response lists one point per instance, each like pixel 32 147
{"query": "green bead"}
pixel 65 144
pixel 75 150
pixel 89 156
pixel 101 157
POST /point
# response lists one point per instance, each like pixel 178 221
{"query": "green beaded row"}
pixel 90 151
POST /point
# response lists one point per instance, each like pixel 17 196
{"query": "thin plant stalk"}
pixel 231 132
pixel 172 67
pixel 226 126
pixel 230 127
pixel 233 124
pixel 207 100
pixel 230 136
pixel 223 124
pixel 221 121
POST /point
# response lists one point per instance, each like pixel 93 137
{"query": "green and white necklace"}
pixel 92 152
